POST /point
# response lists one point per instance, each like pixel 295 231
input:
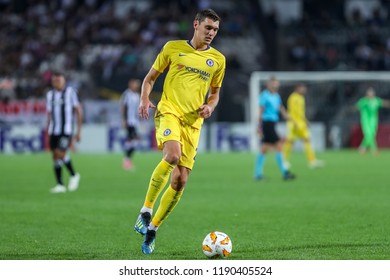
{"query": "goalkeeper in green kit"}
pixel 368 107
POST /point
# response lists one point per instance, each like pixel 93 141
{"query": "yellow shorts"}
pixel 169 127
pixel 298 131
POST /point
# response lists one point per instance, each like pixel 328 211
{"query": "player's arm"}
pixel 386 103
pixel 305 119
pixel 358 105
pixel 123 113
pixel 260 119
pixel 206 110
pixel 79 118
pixel 48 121
pixel 48 110
pixel 146 89
pixel 354 107
pixel 285 114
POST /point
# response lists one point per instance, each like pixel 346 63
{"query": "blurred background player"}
pixel 270 105
pixel 129 109
pixel 298 127
pixel 61 104
pixel 368 107
pixel 195 69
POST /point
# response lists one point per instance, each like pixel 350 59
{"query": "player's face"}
pixel 58 82
pixel 303 89
pixel 206 30
pixel 370 93
pixel 134 85
pixel 273 85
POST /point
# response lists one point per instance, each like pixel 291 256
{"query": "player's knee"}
pixel 172 158
pixel 57 155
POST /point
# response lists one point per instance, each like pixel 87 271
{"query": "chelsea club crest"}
pixel 210 62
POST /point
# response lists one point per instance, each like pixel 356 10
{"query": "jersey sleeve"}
pixel 219 74
pixel 162 60
pixel 74 98
pixel 380 102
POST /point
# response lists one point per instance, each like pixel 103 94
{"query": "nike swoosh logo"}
pixel 182 54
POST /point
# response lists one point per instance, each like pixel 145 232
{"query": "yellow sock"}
pixel 309 151
pixel 287 150
pixel 169 200
pixel 157 182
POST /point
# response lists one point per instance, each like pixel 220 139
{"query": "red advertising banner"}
pixel 382 137
pixel 27 111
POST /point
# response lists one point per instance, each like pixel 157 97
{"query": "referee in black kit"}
pixel 62 106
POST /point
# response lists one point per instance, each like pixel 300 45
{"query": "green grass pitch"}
pixel 338 212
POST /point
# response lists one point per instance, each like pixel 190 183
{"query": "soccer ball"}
pixel 217 244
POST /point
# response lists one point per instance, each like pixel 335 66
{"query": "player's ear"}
pixel 196 23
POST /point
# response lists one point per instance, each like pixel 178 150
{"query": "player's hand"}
pixel 259 132
pixel 143 109
pixel 205 111
pixel 77 137
pixel 295 124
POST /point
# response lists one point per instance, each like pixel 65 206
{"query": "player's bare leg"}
pixel 310 154
pixel 58 157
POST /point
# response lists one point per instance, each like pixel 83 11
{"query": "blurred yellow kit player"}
pixel 298 127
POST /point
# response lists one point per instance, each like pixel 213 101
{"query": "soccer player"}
pixel 368 107
pixel 299 127
pixel 61 104
pixel 129 109
pixel 194 69
pixel 270 105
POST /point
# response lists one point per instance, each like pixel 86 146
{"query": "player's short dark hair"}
pixel 300 84
pixel 208 13
pixel 57 72
pixel 272 78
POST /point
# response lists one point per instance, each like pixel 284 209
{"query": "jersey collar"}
pixel 189 43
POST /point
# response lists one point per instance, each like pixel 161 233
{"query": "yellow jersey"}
pixel 296 107
pixel 190 75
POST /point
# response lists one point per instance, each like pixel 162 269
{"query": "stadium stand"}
pixel 100 42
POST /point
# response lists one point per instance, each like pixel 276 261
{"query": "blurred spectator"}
pixel 111 38
pixel 7 89
pixel 90 36
pixel 356 19
pixel 324 43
